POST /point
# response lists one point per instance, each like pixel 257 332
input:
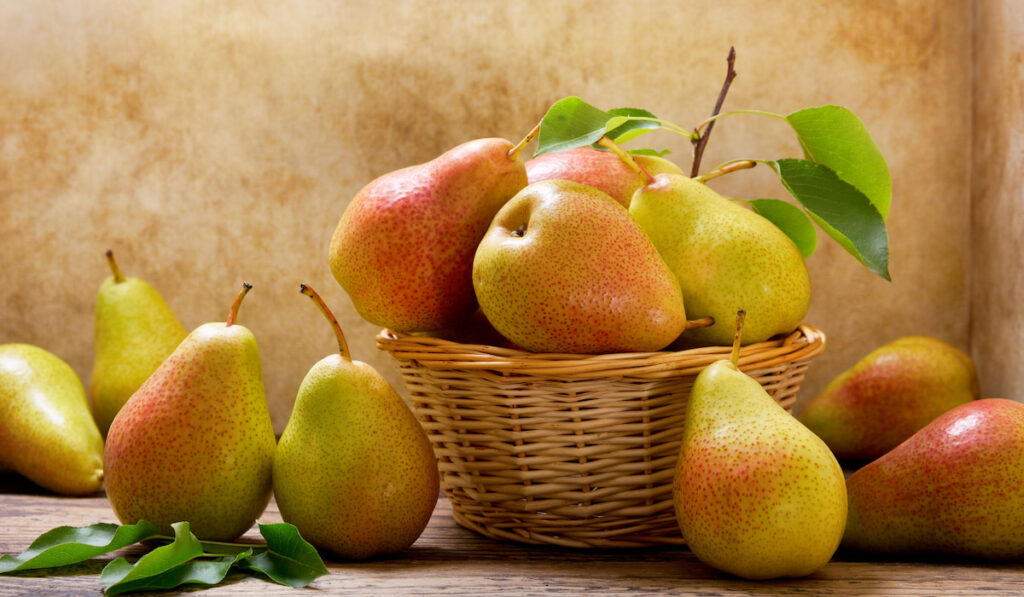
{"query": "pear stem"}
pixel 703 322
pixel 625 157
pixel 118 276
pixel 514 152
pixel 246 287
pixel 741 165
pixel 737 337
pixel 342 343
pixel 702 138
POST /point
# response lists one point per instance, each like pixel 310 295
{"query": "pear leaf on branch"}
pixel 835 137
pixel 842 211
pixel 791 220
pixel 571 122
pixel 66 545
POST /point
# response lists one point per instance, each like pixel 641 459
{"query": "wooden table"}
pixel 449 560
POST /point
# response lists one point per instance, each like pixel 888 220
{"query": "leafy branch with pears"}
pixel 842 181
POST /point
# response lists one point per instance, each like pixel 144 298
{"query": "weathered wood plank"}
pixel 448 560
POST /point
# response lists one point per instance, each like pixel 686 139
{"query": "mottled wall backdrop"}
pixel 213 142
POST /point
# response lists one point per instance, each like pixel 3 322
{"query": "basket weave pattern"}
pixel 570 450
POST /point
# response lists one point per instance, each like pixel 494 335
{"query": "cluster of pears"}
pixel 580 251
pixel 189 437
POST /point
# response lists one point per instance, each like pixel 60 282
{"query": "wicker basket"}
pixel 570 450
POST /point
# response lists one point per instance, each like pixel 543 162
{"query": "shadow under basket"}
pixel 570 450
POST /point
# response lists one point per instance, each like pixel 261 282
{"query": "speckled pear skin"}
pixel 354 471
pixel 726 257
pixel 46 431
pixel 403 249
pixel 955 487
pixel 135 332
pixel 195 442
pixel 603 170
pixel 756 493
pixel 889 395
pixel 580 277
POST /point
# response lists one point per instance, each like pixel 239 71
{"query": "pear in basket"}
pixel 955 487
pixel 726 258
pixel 756 493
pixel 889 395
pixel 563 268
pixel 354 470
pixel 403 249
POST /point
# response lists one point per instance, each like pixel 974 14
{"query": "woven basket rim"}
pixel 803 343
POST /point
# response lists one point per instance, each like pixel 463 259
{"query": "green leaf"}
pixel 629 129
pixel 66 545
pixel 843 212
pixel 193 572
pixel 834 137
pixel 653 152
pixel 791 220
pixel 289 559
pixel 570 123
pixel 185 547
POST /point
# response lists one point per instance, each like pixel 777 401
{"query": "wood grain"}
pixel 450 560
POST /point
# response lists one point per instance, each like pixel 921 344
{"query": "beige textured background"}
pixel 210 143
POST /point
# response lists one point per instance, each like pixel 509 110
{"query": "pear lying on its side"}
pixel 955 487
pixel 889 395
pixel 354 471
pixel 603 170
pixel 563 268
pixel 46 431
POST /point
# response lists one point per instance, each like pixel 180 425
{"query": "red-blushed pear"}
pixel 135 331
pixel 563 268
pixel 955 487
pixel 603 170
pixel 354 471
pixel 195 442
pixel 889 395
pixel 403 249
pixel 46 431
pixel 726 257
pixel 756 493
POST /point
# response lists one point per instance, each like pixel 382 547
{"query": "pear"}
pixel 46 431
pixel 889 395
pixel 603 170
pixel 563 268
pixel 195 442
pixel 354 471
pixel 135 331
pixel 756 493
pixel 955 487
pixel 726 257
pixel 403 249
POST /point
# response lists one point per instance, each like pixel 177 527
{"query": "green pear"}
pixel 603 170
pixel 195 442
pixel 46 431
pixel 889 395
pixel 756 493
pixel 955 487
pixel 403 249
pixel 135 331
pixel 726 257
pixel 563 268
pixel 354 471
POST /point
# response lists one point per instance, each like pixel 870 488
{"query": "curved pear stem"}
pixel 737 337
pixel 625 157
pixel 342 343
pixel 703 322
pixel 246 287
pixel 512 153
pixel 118 276
pixel 726 169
